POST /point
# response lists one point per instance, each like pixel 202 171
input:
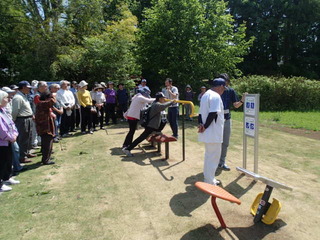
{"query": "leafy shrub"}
pixel 280 93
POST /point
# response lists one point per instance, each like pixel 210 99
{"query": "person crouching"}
pixel 155 123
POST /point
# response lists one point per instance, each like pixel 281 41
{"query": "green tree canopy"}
pixel 189 40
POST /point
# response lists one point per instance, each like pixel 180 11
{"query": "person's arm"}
pixel 60 98
pixel 80 99
pixel 72 99
pixel 16 105
pixel 146 100
pixel 240 103
pixel 6 134
pixel 173 92
pixel 36 99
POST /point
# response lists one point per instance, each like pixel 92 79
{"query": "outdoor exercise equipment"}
pixel 183 132
pixel 261 209
pixel 217 192
pixel 162 139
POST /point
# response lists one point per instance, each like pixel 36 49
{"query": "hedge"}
pixel 280 93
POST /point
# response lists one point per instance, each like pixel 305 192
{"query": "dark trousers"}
pixel 46 147
pixel 122 108
pixel 5 163
pixel 86 118
pixel 173 114
pixel 110 112
pixel 65 123
pixel 97 119
pixel 73 120
pixel 132 129
pixel 77 113
pixel 147 131
pixel 24 126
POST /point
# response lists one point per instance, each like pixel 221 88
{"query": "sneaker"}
pixel 31 155
pixel 11 181
pixel 127 152
pixel 83 132
pixel 49 163
pixel 5 188
pixel 55 140
pixel 224 167
pixel 91 132
pixel 216 182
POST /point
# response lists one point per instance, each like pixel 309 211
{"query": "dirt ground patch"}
pixel 295 131
pixel 95 192
pixel 161 202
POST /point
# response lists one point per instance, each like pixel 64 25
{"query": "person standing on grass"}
pixel 98 100
pixel 189 95
pixel 110 94
pixel 57 110
pixel 211 119
pixel 67 100
pixel 8 135
pixel 154 124
pixel 229 97
pixel 85 101
pixel 171 92
pixel 45 125
pixel 138 102
pixel 22 115
pixel 122 98
pixel 15 147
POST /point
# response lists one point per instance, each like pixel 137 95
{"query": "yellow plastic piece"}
pixel 185 102
pixel 272 212
pixel 255 204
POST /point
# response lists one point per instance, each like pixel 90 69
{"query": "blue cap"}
pixel 24 84
pixel 218 82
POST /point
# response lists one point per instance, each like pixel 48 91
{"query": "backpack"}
pixel 145 116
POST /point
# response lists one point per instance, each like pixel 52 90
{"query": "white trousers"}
pixel 211 161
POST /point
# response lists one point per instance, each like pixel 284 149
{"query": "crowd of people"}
pixel 33 115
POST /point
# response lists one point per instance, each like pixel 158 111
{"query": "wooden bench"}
pixel 217 192
pixel 162 139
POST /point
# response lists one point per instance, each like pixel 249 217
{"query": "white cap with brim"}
pixel 83 83
pixel 8 90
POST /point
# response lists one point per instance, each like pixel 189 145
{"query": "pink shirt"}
pixel 137 103
pixel 8 130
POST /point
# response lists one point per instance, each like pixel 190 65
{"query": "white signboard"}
pixel 250 125
pixel 250 106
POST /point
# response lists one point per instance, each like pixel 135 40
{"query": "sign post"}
pixel 251 127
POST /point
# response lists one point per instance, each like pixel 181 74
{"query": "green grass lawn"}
pixel 305 120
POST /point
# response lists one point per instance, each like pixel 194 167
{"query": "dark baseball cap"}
pixel 24 84
pixel 14 87
pixel 159 95
pixel 217 82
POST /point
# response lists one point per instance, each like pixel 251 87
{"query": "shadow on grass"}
pixel 182 204
pixel 235 189
pixel 254 232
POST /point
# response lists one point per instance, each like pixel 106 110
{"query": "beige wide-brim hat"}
pixel 83 83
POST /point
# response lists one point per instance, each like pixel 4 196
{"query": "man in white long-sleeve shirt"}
pixel 66 98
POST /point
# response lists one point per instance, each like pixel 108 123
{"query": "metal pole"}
pixel 244 164
pixel 183 138
pixel 256 138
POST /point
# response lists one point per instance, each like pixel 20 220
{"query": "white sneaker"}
pixel 5 188
pixel 11 181
pixel 216 182
pixel 127 152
